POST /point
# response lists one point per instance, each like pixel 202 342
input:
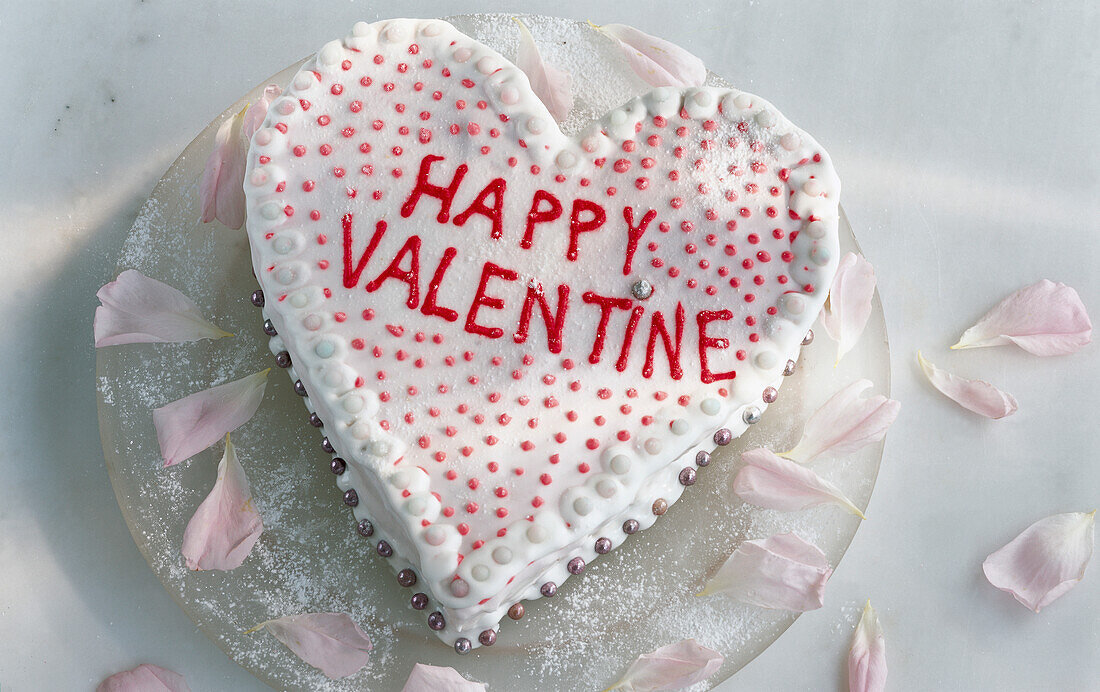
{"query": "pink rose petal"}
pixel 772 482
pixel 330 642
pixel 136 309
pixel 867 657
pixel 671 667
pixel 845 423
pixel 974 395
pixel 425 678
pixel 226 525
pixel 1045 561
pixel 781 571
pixel 144 678
pixel 657 61
pixel 221 189
pixel 849 304
pixel 552 85
pixel 1046 319
pixel 189 425
pixel 254 116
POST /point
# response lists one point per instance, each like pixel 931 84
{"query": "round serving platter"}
pixel 310 558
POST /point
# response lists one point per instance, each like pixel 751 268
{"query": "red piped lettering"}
pixel 555 322
pixel 494 213
pixel 576 226
pixel 351 275
pixel 704 318
pixel 445 195
pixel 657 327
pixel 537 215
pixel 482 300
pixel 410 276
pixel 606 306
pixel 634 233
pixel 631 326
pixel 430 307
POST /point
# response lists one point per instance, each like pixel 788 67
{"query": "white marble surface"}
pixel 966 136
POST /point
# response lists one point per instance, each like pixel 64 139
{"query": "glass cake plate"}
pixel 311 559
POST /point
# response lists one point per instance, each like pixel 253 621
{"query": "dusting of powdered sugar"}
pixel 310 559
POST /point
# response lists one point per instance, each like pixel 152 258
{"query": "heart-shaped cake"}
pixel 522 346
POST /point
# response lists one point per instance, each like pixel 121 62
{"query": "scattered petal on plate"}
pixel 330 642
pixel 845 423
pixel 425 678
pixel 849 304
pixel 189 425
pixel 1045 561
pixel 137 309
pixel 144 678
pixel 867 657
pixel 672 667
pixel 221 189
pixel 657 61
pixel 974 395
pixel 226 525
pixel 254 116
pixel 772 482
pixel 1045 318
pixel 552 85
pixel 781 571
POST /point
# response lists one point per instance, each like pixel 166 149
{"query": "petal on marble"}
pixel 254 116
pixel 189 425
pixel 136 309
pixel 330 642
pixel 221 189
pixel 782 572
pixel 772 482
pixel 671 667
pixel 226 525
pixel 867 657
pixel 655 60
pixel 144 678
pixel 1045 561
pixel 425 678
pixel 1045 318
pixel 974 395
pixel 845 423
pixel 849 304
pixel 552 85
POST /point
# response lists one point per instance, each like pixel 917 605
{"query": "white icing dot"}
pixel 487 65
pixel 394 33
pixel 333 378
pixel 400 479
pixel 462 54
pixel 460 588
pixel 679 426
pixel 502 555
pixel 285 107
pixel 582 506
pixel 794 303
pixel 285 276
pixel 258 177
pixel 820 255
pixel 618 117
pixel 535 125
pixel 812 188
pixel 591 144
pixel 790 141
pixel 299 299
pixel 765 118
pixel 360 29
pixel 353 403
pixel 816 230
pixel 620 463
pixel 703 98
pixel 434 535
pixel 710 406
pixel 767 360
pixel 361 430
pixel 331 53
pixel 480 572
pixel 606 487
pixel 660 94
pixel 431 29
pixel 283 245
pixel 509 95
pixel 303 81
pixel 312 322
pixel 263 138
pixel 566 159
pixel 324 349
pixel 653 445
pixel 742 101
pixel 536 534
pixel 270 211
pixel 417 506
